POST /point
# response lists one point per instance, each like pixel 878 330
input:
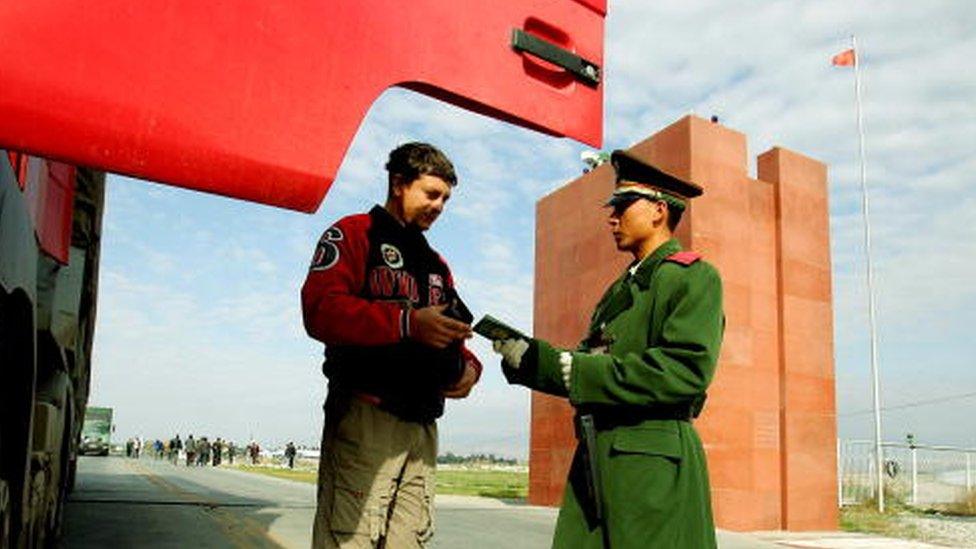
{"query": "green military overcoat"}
pixel 652 348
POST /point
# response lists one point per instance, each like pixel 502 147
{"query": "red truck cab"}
pixel 260 100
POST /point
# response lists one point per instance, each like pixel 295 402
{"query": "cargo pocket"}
pixel 426 527
pixel 348 514
pixel 356 511
pixel 653 442
pixel 644 468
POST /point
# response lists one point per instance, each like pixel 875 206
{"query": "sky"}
pixel 199 324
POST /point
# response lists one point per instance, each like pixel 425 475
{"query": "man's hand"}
pixel 511 350
pixel 463 387
pixel 431 327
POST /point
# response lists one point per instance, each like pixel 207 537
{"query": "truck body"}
pixel 253 100
pixel 96 432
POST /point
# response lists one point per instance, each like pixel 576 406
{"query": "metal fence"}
pixel 913 474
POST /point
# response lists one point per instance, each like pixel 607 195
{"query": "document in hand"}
pixel 494 329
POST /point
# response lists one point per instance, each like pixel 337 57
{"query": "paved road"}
pixel 145 503
pixel 120 502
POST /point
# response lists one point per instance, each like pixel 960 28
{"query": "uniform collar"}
pixel 646 266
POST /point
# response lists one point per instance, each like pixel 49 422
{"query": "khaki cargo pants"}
pixel 376 479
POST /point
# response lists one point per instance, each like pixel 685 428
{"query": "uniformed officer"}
pixel 637 380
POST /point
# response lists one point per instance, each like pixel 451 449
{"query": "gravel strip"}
pixel 944 530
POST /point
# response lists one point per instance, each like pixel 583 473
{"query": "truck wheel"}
pixel 72 473
pixel 16 406
pixel 66 476
pixel 5 512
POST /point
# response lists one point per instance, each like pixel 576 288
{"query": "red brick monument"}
pixel 769 426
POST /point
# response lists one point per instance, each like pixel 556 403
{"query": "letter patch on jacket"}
pixel 326 252
pixel 387 283
pixel 392 256
pixel 435 286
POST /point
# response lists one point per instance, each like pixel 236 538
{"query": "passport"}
pixel 494 329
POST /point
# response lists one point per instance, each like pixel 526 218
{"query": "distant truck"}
pixel 96 433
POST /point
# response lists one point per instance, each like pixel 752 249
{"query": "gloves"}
pixel 511 350
pixel 566 366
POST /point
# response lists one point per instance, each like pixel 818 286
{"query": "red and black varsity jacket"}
pixel 367 274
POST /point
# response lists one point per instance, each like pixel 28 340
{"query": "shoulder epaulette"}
pixel 684 258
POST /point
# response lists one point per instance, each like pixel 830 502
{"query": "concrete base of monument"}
pixel 838 540
pixel 473 522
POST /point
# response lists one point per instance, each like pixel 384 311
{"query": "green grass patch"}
pixel 865 518
pixel 301 475
pixel 965 505
pixel 489 483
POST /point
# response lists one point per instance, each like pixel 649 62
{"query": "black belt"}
pixel 613 417
pixel 423 411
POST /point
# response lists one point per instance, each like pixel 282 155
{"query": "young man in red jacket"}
pixel 384 303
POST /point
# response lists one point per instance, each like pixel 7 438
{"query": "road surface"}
pixel 121 502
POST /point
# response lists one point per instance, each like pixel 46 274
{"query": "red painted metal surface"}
pixel 50 191
pixel 599 6
pixel 260 100
pixel 18 162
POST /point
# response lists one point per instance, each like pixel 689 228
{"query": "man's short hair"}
pixel 412 160
pixel 674 216
pixel 674 213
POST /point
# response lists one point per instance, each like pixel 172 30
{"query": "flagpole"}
pixel 876 385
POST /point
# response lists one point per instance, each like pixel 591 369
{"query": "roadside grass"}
pixel 301 475
pixel 866 519
pixel 965 505
pixel 489 483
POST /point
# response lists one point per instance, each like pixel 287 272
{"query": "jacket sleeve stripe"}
pixel 404 323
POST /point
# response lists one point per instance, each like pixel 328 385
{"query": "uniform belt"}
pixel 611 418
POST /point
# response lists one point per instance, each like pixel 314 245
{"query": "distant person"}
pixel 218 447
pixel 191 451
pixel 175 447
pixel 384 303
pixel 203 449
pixel 231 451
pixel 290 453
pixel 129 446
pixel 637 380
pixel 255 451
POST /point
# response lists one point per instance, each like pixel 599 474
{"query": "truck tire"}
pixel 72 473
pixel 16 406
pixel 5 512
pixel 65 478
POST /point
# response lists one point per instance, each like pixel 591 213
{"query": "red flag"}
pixel 844 59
